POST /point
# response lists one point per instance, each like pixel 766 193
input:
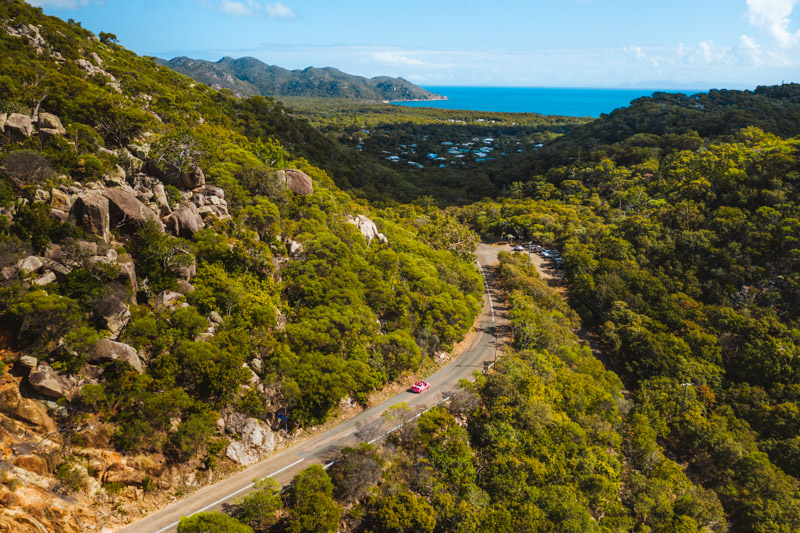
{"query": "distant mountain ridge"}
pixel 247 76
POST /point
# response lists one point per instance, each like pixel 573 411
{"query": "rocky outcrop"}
pixel 367 228
pixel 30 264
pixel 120 473
pixel 241 454
pixel 296 181
pixel 127 213
pixel 127 276
pixel 50 125
pixel 166 299
pixel 255 438
pixel 18 127
pixel 25 410
pixel 108 350
pixel 184 221
pixel 60 200
pixel 112 314
pixel 90 210
pixel 193 179
pixel 254 434
pixel 47 382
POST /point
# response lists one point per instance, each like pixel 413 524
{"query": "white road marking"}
pixel 209 506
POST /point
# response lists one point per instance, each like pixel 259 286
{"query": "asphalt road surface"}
pixel 366 426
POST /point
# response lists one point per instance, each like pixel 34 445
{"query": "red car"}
pixel 420 386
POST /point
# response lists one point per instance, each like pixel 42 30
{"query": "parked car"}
pixel 519 248
pixel 420 386
pixel 559 262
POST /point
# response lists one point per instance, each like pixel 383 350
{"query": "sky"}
pixel 530 43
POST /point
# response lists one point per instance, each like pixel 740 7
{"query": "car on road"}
pixel 420 386
pixel 519 248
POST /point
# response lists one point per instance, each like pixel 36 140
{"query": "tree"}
pixel 211 522
pixel 107 38
pixel 313 507
pixel 259 507
pixel 356 471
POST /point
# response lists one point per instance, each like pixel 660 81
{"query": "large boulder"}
pixel 127 213
pixel 172 175
pixel 193 179
pixel 166 299
pixel 185 221
pixel 108 350
pixel 127 276
pixel 47 382
pixel 30 264
pixel 18 127
pixel 112 314
pixel 367 228
pixel 50 125
pixel 296 181
pixel 60 200
pixel 254 434
pixel 90 211
pixel 25 410
pixel 240 453
pixel 125 475
pixel 3 120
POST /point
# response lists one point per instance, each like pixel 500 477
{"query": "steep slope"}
pixel 248 76
pixel 174 273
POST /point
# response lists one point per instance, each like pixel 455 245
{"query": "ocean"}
pixel 547 101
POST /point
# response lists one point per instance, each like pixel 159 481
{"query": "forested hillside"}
pixel 175 273
pixel 190 281
pixel 247 76
pixel 682 255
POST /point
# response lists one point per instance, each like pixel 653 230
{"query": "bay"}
pixel 571 102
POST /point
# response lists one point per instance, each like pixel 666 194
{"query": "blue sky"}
pixel 553 43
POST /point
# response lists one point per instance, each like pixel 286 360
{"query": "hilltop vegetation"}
pixel 247 76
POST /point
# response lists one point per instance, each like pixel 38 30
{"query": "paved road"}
pixel 367 425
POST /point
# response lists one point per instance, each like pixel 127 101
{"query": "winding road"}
pixel 367 425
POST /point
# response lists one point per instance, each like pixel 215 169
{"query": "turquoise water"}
pixel 547 101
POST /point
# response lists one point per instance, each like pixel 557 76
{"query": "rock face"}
pixel 107 350
pixel 60 200
pixel 367 228
pixel 185 221
pixel 18 127
pixel 239 453
pixel 192 180
pixel 127 213
pixel 90 211
pixel 47 382
pixel 112 314
pixel 254 434
pixel 50 125
pixel 166 299
pixel 30 264
pixel 25 410
pixel 296 181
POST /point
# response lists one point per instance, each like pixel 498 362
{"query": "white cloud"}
pixel 64 4
pixel 772 17
pixel 750 50
pixel 249 8
pixel 235 9
pixel 394 58
pixel 279 11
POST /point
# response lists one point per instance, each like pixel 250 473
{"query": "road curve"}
pixel 367 425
